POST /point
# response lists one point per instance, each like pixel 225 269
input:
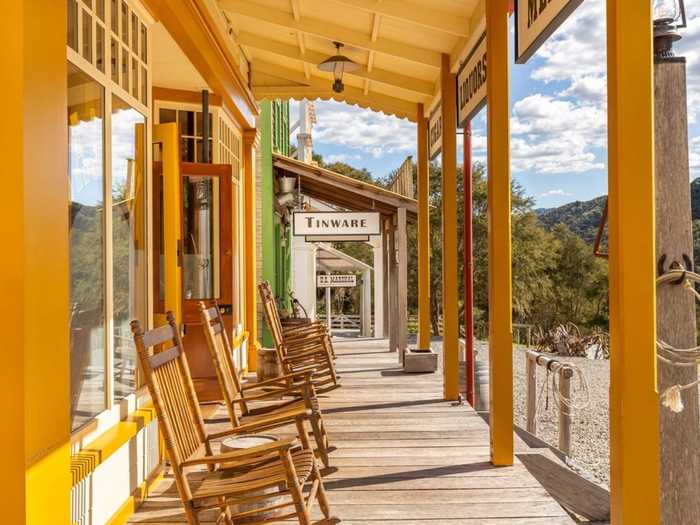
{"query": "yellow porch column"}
pixel 450 308
pixel 35 439
pixel 250 259
pixel 634 416
pixel 423 231
pixel 500 286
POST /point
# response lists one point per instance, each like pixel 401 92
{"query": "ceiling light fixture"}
pixel 338 64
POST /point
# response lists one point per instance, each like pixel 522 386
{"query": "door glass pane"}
pixel 128 238
pixel 86 178
pixel 201 237
pixel 167 115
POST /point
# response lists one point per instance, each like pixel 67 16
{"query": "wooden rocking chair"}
pixel 233 478
pixel 298 386
pixel 298 350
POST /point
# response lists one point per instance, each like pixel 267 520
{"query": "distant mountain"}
pixel 583 217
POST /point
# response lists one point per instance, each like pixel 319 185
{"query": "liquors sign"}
pixel 435 131
pixel 471 83
pixel 335 281
pixel 535 21
pixel 332 225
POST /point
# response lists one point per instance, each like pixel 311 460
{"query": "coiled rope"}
pixel 671 398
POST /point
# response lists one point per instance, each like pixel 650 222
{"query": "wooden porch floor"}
pixel 404 456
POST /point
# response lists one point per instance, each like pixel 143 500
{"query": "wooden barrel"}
pixel 249 441
pixel 268 366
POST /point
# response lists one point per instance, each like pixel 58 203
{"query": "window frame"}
pixel 116 410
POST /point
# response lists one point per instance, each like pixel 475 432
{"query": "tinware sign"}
pixel 471 83
pixel 535 21
pixel 331 225
pixel 435 132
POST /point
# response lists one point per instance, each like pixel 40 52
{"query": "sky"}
pixel 558 116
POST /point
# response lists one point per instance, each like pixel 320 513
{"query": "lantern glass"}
pixel 666 10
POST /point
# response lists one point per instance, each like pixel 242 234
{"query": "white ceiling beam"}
pixel 416 14
pixel 477 26
pixel 333 32
pixel 320 87
pixel 313 58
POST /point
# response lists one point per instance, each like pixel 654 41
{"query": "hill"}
pixel 583 217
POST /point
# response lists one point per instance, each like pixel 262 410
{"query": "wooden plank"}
pixel 402 456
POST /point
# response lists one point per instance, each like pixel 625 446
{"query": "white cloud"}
pixel 555 193
pixel 689 47
pixel 341 157
pixel 551 135
pixel 694 157
pixel 360 129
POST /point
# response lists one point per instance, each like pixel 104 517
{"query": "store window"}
pixel 86 208
pixel 108 96
pixel 128 238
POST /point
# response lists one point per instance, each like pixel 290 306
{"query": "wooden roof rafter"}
pixel 333 31
pixel 312 58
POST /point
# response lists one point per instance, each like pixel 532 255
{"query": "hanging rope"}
pixel 672 398
pixel 553 381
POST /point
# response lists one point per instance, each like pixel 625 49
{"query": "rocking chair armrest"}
pixel 277 392
pixel 262 422
pixel 297 331
pixel 247 453
pixel 279 380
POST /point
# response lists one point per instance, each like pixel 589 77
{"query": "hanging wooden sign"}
pixel 471 83
pixel 535 21
pixel 435 131
pixel 336 225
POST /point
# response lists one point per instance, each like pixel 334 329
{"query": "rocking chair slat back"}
pixel 273 319
pixel 222 357
pixel 169 382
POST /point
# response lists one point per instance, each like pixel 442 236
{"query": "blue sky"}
pixel 558 116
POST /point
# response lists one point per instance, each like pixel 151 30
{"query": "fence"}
pixel 563 393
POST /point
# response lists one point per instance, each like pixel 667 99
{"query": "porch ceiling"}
pixel 398 44
pixel 340 190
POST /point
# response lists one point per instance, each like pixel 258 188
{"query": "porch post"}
pixel 634 412
pixel 468 268
pixel 34 278
pixel 450 297
pixel 366 304
pixel 423 231
pixel 499 228
pixel 250 258
pixel 378 257
pixel 401 283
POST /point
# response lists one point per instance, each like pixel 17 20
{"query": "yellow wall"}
pixel 35 440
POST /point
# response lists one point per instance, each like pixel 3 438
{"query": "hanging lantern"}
pixel 669 16
pixel 338 64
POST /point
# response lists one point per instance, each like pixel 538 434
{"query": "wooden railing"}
pixel 565 372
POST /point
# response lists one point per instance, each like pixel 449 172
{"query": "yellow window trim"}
pixel 84 462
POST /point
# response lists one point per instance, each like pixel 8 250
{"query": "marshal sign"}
pixel 336 281
pixel 471 83
pixel 535 21
pixel 331 225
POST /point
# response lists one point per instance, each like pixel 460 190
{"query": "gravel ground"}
pixel 589 427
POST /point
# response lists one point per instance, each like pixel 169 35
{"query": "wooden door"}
pixel 206 227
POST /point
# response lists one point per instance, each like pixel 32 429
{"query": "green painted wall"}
pixel 268 208
pixel 276 250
